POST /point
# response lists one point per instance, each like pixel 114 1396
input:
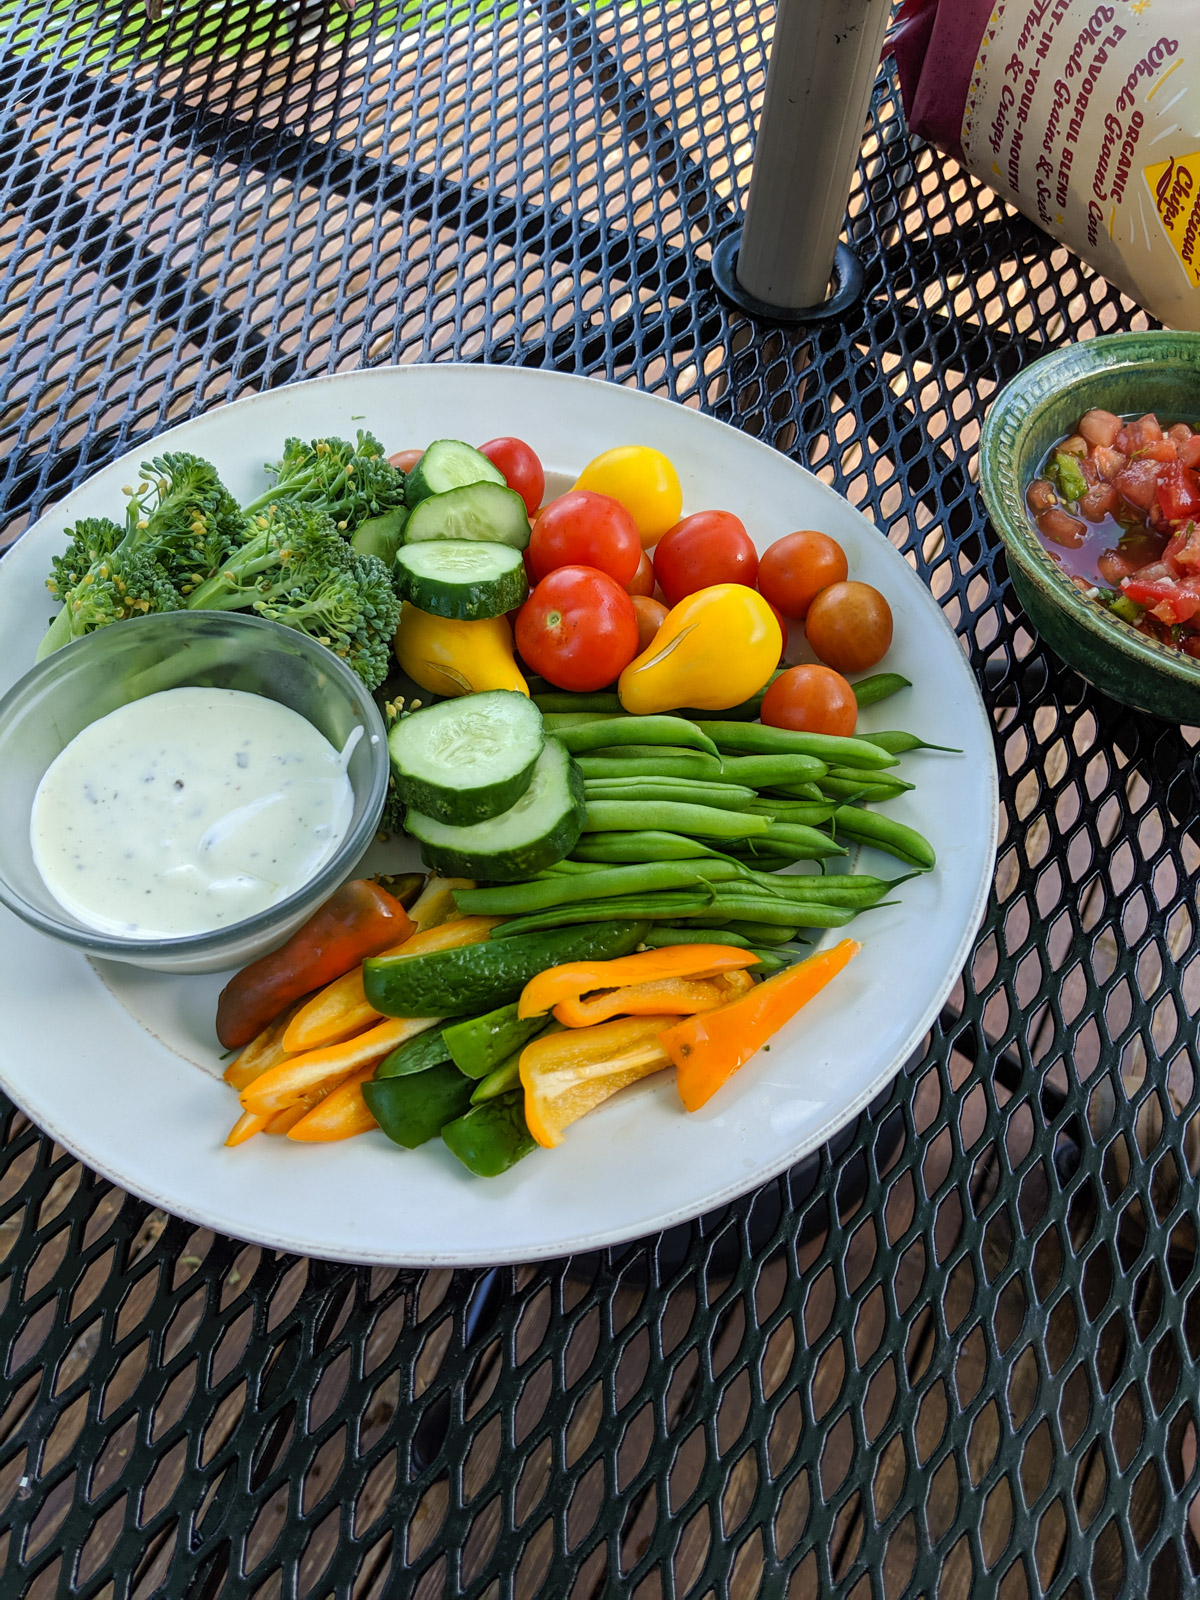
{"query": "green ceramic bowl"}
pixel 1129 373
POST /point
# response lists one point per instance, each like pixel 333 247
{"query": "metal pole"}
pixel 824 62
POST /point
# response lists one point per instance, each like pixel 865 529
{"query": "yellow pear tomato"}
pixel 644 482
pixel 714 649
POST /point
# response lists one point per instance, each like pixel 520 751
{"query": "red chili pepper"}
pixel 359 920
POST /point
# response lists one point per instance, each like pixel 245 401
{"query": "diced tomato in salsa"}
pixel 1172 600
pixel 1179 492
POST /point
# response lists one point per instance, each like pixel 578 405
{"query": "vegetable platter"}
pixel 122 1067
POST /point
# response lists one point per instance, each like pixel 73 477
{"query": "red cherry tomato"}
pixel 781 620
pixel 642 581
pixel 585 529
pixel 849 626
pixel 797 567
pixel 405 460
pixel 578 629
pixel 521 468
pixel 810 699
pixel 650 615
pixel 706 548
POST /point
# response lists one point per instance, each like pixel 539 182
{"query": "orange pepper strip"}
pixel 565 1075
pixel 681 997
pixel 319 1069
pixel 284 1121
pixel 341 1009
pixel 339 1115
pixel 708 1049
pixel 246 1126
pixel 568 982
pixel 264 1050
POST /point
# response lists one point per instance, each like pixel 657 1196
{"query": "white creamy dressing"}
pixel 187 811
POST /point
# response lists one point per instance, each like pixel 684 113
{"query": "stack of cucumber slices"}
pixel 488 794
pixel 466 529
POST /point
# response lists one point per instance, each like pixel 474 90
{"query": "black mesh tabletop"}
pixel 955 1355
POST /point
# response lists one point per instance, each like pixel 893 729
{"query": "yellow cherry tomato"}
pixel 644 482
pixel 714 649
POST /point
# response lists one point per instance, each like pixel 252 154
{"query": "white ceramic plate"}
pixel 122 1067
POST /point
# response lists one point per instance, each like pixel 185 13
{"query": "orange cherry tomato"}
pixel 405 460
pixel 642 581
pixel 849 626
pixel 650 614
pixel 794 570
pixel 810 699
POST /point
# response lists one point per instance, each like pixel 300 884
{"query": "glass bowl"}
pixel 86 680
pixel 1129 373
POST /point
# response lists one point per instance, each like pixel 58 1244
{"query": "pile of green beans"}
pixel 692 821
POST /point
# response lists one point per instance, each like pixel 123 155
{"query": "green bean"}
pixel 729 798
pixel 808 890
pixel 810 813
pixel 753 738
pixel 906 844
pixel 610 816
pixel 738 907
pixel 869 691
pixel 557 701
pixel 887 780
pixel 499 1080
pixel 669 752
pixel 751 932
pixel 897 742
pixel 558 722
pixel 796 836
pixel 515 899
pixel 766 772
pixel 636 764
pixel 659 938
pixel 845 789
pixel 770 962
pixel 601 731
pixel 664 907
pixel 641 846
pixel 563 869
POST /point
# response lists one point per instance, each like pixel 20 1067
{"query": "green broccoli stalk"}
pixel 351 482
pixel 178 525
pixel 295 569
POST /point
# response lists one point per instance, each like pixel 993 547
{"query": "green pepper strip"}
pixel 491 1137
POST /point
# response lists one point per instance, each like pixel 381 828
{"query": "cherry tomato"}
pixel 645 483
pixel 797 567
pixel 578 629
pixel 650 615
pixel 582 529
pixel 405 460
pixel 521 468
pixel 781 620
pixel 849 626
pixel 642 581
pixel 706 548
pixel 810 699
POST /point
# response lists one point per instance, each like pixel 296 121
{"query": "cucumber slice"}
pixel 448 464
pixel 464 761
pixel 381 536
pixel 543 827
pixel 486 511
pixel 461 578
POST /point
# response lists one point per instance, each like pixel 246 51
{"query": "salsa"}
pixel 1117 504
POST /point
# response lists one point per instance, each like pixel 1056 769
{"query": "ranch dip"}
pixel 187 811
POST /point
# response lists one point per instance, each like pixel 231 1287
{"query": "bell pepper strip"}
pixel 566 1075
pixel 490 1138
pixel 578 978
pixel 322 1069
pixel 435 904
pixel 264 1050
pixel 284 1121
pixel 414 1109
pixel 682 997
pixel 246 1126
pixel 342 1009
pixel 709 1048
pixel 340 1114
pixel 358 920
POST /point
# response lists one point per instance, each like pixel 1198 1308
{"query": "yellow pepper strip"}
pixel 341 1010
pixel 565 1075
pixel 318 1069
pixel 263 1051
pixel 338 1115
pixel 683 997
pixel 284 1121
pixel 714 649
pixel 577 978
pixel 435 904
pixel 246 1126
pixel 708 1049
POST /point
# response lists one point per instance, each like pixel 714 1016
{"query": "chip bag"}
pixel 1086 117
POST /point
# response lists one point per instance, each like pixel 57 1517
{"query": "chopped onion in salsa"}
pixel 1118 506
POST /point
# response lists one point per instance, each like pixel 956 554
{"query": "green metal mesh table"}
pixel 954 1355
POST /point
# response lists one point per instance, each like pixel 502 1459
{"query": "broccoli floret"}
pixel 180 522
pixel 350 482
pixel 295 569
